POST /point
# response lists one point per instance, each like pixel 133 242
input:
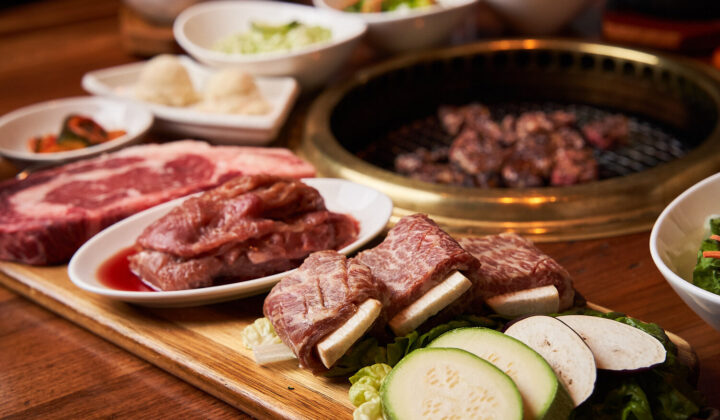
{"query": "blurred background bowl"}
pixel 538 17
pixel 675 240
pixel 198 27
pixel 19 126
pixel 412 29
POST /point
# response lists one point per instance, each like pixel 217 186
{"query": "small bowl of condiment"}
pixel 72 128
pixel 269 38
pixel 685 246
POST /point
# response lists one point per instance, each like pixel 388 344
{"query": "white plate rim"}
pixel 382 208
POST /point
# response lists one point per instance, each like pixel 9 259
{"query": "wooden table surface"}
pixel 50 368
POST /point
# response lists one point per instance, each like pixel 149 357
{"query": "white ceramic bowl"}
pixel 18 126
pixel 198 27
pixel 676 238
pixel 538 17
pixel 412 29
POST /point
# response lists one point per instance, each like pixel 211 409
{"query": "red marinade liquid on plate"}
pixel 115 273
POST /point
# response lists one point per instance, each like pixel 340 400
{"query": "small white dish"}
pixel 19 126
pixel 280 92
pixel 675 240
pixel 369 207
pixel 199 27
pixel 408 30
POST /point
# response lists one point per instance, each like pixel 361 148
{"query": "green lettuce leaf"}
pixel 259 332
pixel 707 270
pixel 365 391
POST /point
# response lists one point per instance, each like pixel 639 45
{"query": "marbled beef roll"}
pixel 424 269
pixel 323 307
pixel 512 263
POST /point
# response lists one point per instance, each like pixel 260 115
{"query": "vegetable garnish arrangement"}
pixel 707 271
pixel 77 132
pixel 526 347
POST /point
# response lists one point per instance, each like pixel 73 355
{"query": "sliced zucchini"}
pixel 437 383
pixel 543 395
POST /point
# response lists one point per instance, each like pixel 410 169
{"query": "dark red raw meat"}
pixel 249 227
pixel 46 217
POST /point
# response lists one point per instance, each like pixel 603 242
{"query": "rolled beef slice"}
pixel 416 256
pixel 45 217
pixel 512 263
pixel 316 299
pixel 249 227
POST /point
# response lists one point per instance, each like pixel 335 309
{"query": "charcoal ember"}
pixel 475 153
pixel 573 166
pixel 608 132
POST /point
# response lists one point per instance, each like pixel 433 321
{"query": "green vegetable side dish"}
pixel 707 271
pixel 265 38
pixel 375 6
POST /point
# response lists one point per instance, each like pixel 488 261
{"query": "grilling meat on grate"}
pixel 307 306
pixel 418 260
pixel 532 149
pixel 249 227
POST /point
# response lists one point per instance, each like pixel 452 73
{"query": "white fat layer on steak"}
pixel 432 302
pixel 334 345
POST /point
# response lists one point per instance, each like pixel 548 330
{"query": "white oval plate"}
pixel 18 126
pixel 280 92
pixel 369 207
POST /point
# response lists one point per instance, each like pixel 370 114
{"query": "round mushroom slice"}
pixel 616 346
pixel 563 349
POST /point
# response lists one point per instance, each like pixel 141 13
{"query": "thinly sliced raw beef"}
pixel 416 256
pixel 47 216
pixel 251 226
pixel 512 263
pixel 316 299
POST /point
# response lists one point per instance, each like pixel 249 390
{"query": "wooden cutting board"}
pixel 201 345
